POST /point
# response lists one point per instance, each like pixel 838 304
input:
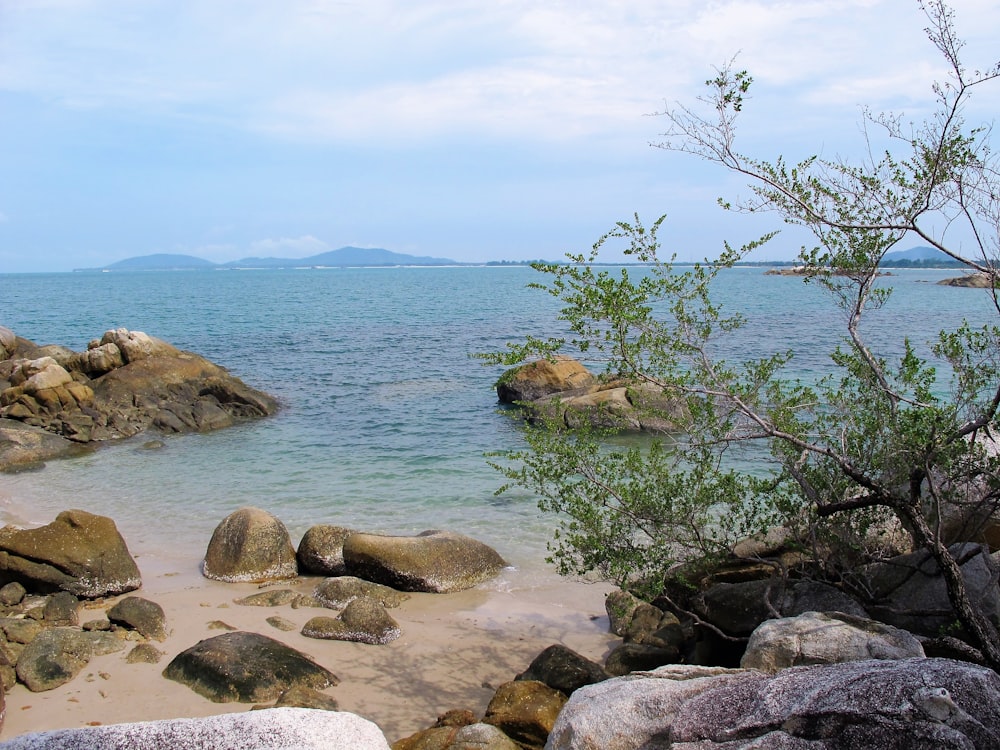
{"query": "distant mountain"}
pixel 160 262
pixel 342 258
pixel 921 253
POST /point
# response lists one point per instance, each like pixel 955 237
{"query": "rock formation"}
pixel 125 383
pixel 563 392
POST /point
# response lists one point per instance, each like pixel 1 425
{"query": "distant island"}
pixel 345 257
pixel 372 257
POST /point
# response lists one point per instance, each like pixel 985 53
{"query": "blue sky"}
pixel 513 129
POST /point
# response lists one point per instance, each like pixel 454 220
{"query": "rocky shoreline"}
pixel 746 660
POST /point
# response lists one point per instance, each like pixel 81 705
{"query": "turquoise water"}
pixel 385 416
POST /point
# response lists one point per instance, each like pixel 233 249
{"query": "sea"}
pixel 387 417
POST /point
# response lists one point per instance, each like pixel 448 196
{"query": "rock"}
pixel 57 655
pixel 434 561
pixel 124 384
pixel 563 669
pixel 272 598
pixel 637 657
pixel 245 667
pixel 23 445
pixel 541 378
pixel 141 615
pixel 8 342
pixel 273 729
pixel 337 593
pixel 825 638
pixel 525 711
pixel 621 606
pixel 144 653
pixel 321 550
pixel 738 608
pixel 306 697
pixel 136 345
pixel 470 737
pixel 969 280
pixel 61 609
pixel 20 630
pixel 363 620
pixel 12 594
pixel 78 552
pixel 909 592
pixel 280 623
pixel 870 704
pixel 250 545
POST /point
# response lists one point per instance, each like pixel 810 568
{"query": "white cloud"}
pixel 395 71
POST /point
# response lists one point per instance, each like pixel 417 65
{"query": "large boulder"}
pixel 250 545
pixel 869 704
pixel 245 667
pixel 434 561
pixel 825 638
pixel 909 592
pixel 275 728
pixel 78 552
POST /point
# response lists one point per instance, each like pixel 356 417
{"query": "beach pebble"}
pixel 144 653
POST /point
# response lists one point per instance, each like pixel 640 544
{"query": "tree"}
pixel 880 437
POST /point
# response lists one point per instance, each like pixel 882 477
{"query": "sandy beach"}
pixel 455 650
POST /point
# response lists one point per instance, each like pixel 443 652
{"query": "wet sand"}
pixel 455 650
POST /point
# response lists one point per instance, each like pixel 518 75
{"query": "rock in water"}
pixel 250 545
pixel 78 552
pixel 273 729
pixel 434 561
pixel 245 667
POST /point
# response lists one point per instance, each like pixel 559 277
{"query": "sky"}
pixel 469 130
